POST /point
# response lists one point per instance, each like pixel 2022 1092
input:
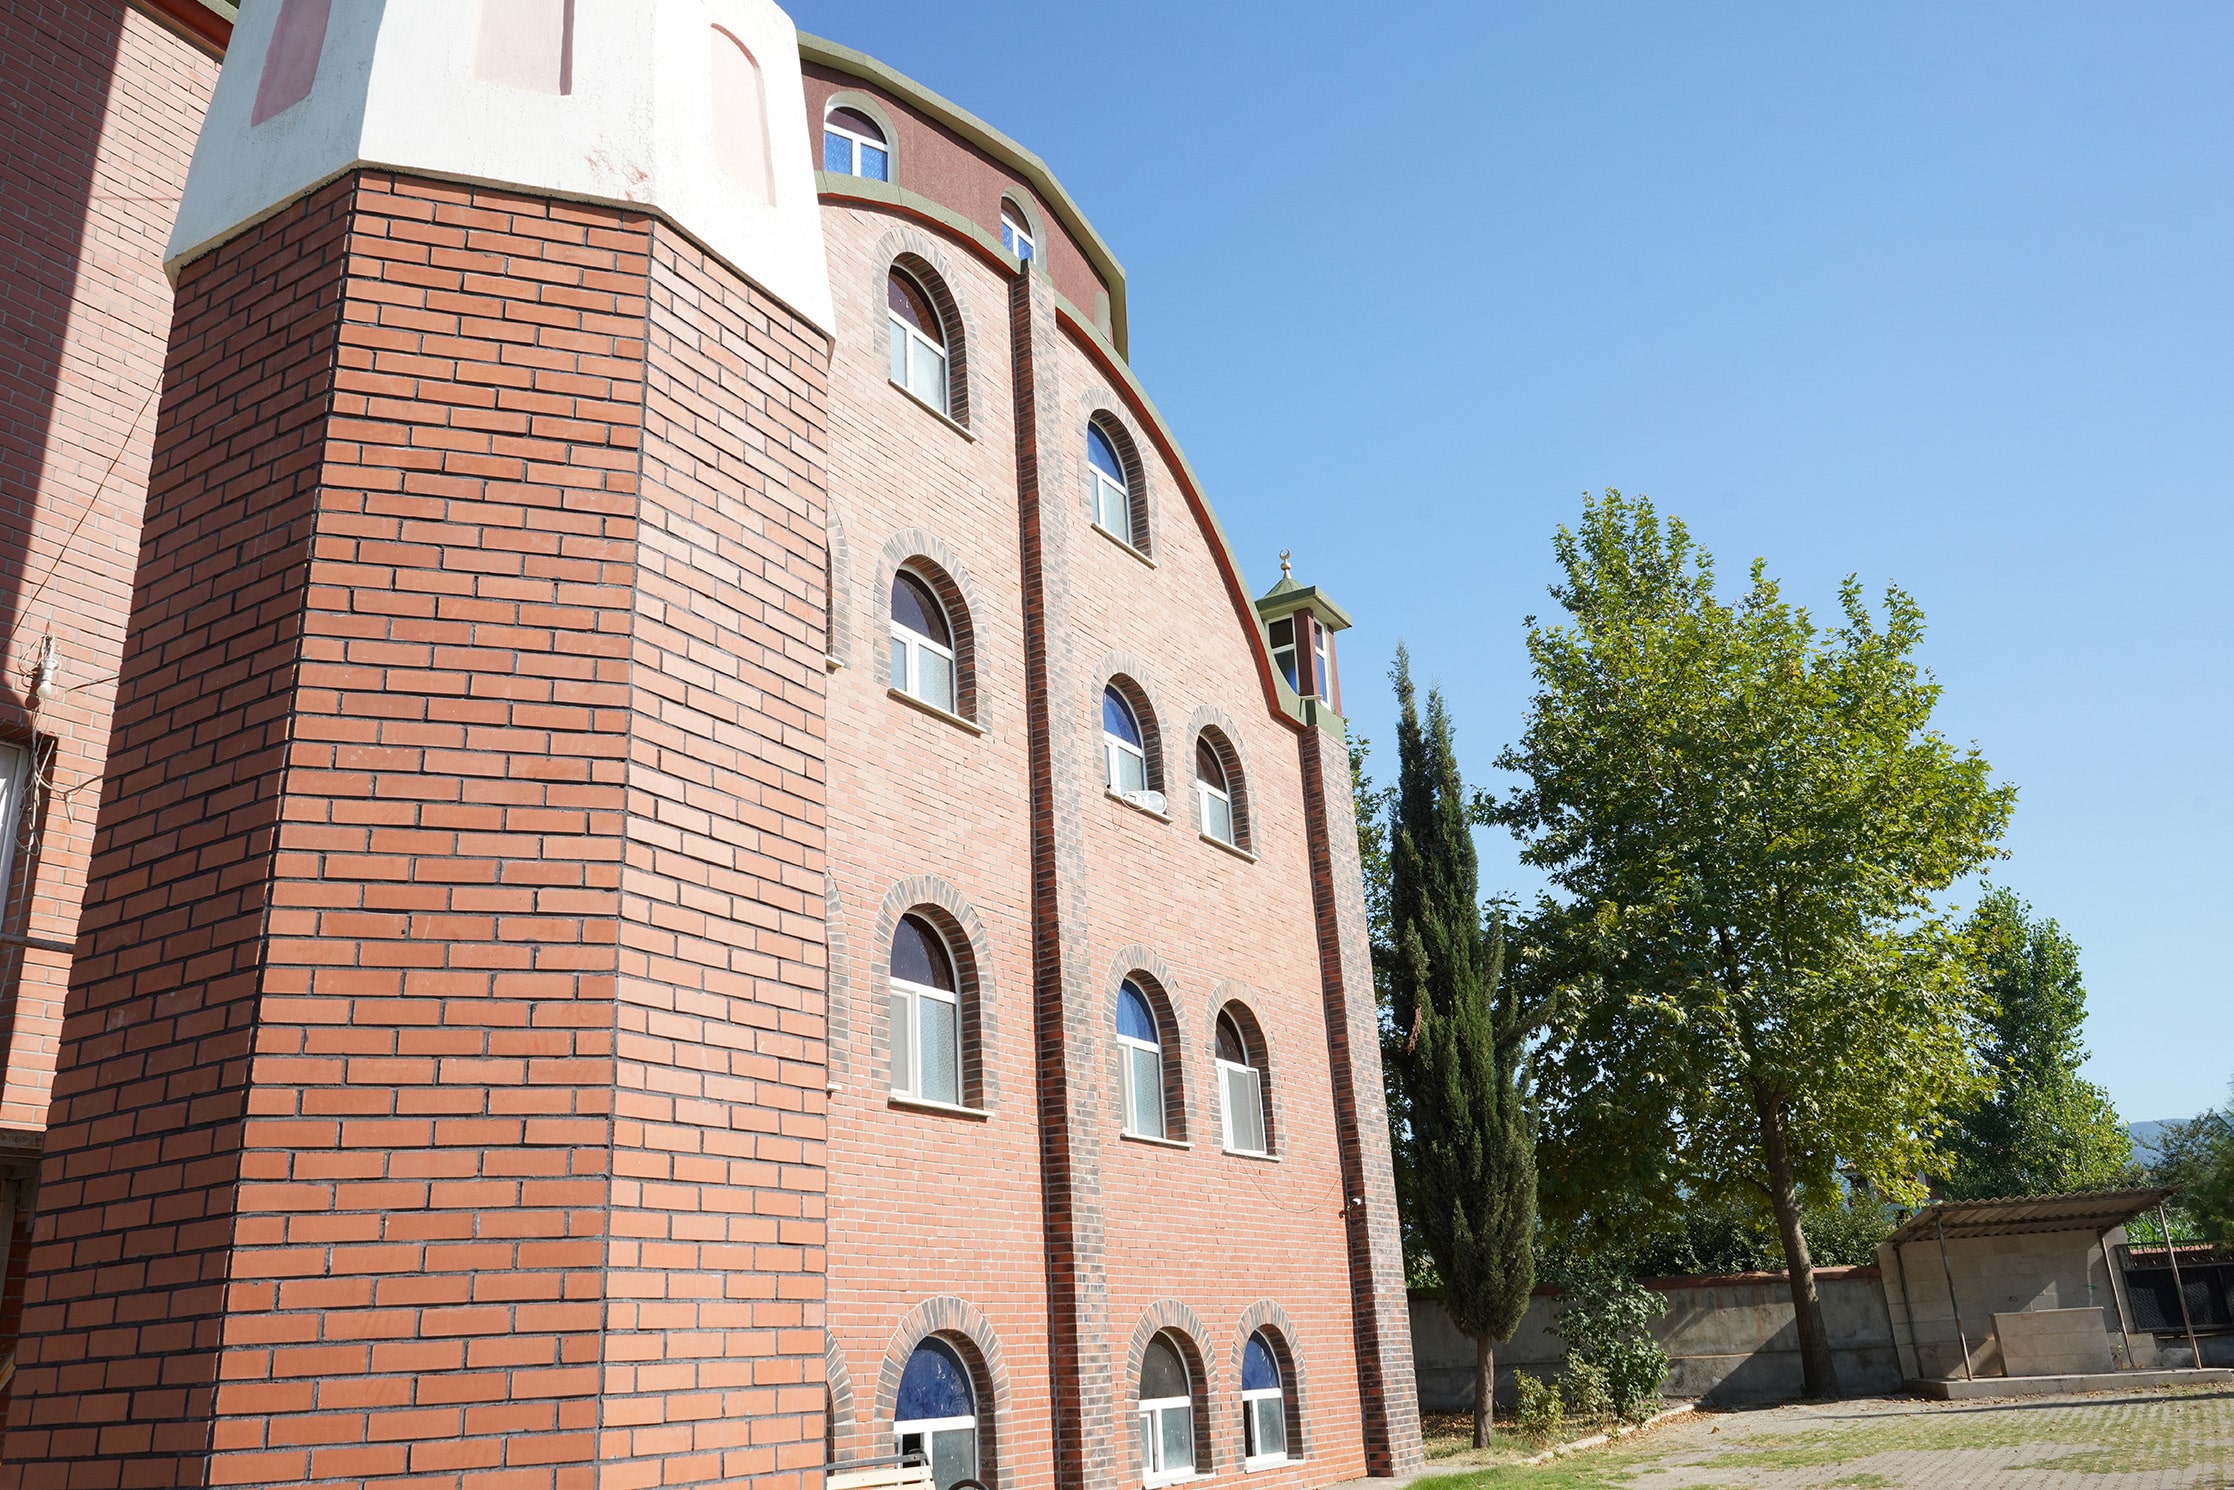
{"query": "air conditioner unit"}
pixel 1154 801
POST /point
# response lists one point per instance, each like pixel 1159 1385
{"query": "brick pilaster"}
pixel 1387 1390
pixel 440 1090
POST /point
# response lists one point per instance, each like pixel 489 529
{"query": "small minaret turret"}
pixel 1300 621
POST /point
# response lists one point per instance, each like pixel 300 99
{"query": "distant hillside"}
pixel 2145 1136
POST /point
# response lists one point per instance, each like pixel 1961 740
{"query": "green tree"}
pixel 1746 820
pixel 2044 1129
pixel 1468 1174
pixel 2198 1157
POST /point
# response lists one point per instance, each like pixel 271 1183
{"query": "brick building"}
pixel 652 839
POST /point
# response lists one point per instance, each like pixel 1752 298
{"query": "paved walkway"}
pixel 2152 1440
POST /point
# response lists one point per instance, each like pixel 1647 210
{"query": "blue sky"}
pixel 1935 294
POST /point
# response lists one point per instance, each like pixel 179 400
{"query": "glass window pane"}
pixel 1148 1443
pixel 903 1043
pixel 837 153
pixel 873 164
pixel 900 665
pixel 1134 1018
pixel 1244 1109
pixel 915 607
pixel 1231 1047
pixel 1272 1427
pixel 1285 659
pixel 1179 1437
pixel 1217 817
pixel 1208 768
pixel 899 351
pixel 942 1050
pixel 1116 513
pixel 858 122
pixel 1117 717
pixel 928 380
pixel 906 299
pixel 937 678
pixel 1162 1373
pixel 1260 1372
pixel 1132 772
pixel 1103 454
pixel 919 955
pixel 953 1456
pixel 934 1385
pixel 1148 1091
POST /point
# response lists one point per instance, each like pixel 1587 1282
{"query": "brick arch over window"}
pixel 1154 977
pixel 1098 406
pixel 1268 1316
pixel 1182 1324
pixel 838 1393
pixel 837 592
pixel 1129 675
pixel 1245 1001
pixel 938 566
pixel 921 259
pixel 1225 739
pixel 940 904
pixel 960 1324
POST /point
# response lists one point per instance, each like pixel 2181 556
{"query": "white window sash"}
pixel 1115 747
pixel 1249 1401
pixel 908 338
pixel 1132 1048
pixel 932 1425
pixel 1227 1071
pixel 15 782
pixel 855 144
pixel 1112 504
pixel 1211 794
pixel 914 643
pixel 915 994
pixel 1160 1473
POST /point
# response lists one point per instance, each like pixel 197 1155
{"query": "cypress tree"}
pixel 1468 1170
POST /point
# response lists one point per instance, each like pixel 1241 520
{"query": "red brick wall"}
pixel 103 108
pixel 510 796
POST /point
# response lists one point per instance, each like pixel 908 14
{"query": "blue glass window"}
pixel 1104 455
pixel 935 1385
pixel 837 153
pixel 1259 1371
pixel 873 163
pixel 1134 1018
pixel 918 956
pixel 1117 718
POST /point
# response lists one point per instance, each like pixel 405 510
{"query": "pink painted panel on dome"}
pixel 291 61
pixel 740 117
pixel 526 44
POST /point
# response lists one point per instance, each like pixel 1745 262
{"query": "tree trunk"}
pixel 1485 1386
pixel 1819 1372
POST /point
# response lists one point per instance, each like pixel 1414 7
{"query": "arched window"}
pixel 918 341
pixel 926 1015
pixel 853 145
pixel 936 1413
pixel 1125 753
pixel 1140 1043
pixel 1167 1414
pixel 1264 1405
pixel 1240 1085
pixel 1016 233
pixel 1112 493
pixel 922 643
pixel 1214 792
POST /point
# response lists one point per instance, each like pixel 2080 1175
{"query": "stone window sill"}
pixel 1123 543
pixel 936 712
pixel 925 1104
pixel 1252 1154
pixel 1161 1143
pixel 935 412
pixel 1219 843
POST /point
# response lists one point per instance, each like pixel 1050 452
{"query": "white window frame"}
pixel 1113 512
pixel 915 994
pixel 15 786
pixel 1153 1471
pixel 1014 231
pixel 901 1431
pixel 1289 651
pixel 905 340
pixel 1133 1051
pixel 1319 673
pixel 907 664
pixel 1249 1400
pixel 1205 794
pixel 1112 747
pixel 1228 1071
pixel 855 144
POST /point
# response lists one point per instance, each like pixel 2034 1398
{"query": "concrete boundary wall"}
pixel 1729 1340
